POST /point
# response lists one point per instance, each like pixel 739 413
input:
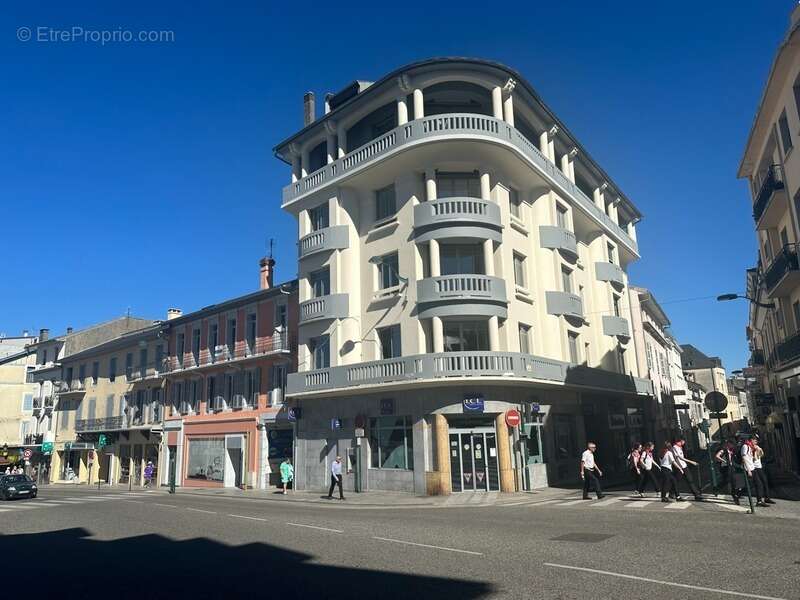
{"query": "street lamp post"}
pixel 726 297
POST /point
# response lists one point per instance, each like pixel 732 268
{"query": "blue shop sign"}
pixel 473 403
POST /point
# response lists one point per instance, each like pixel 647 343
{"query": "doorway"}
pixel 473 460
pixel 234 458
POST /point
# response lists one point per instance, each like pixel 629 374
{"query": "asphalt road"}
pixel 78 543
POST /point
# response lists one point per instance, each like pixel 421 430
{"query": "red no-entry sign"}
pixel 513 418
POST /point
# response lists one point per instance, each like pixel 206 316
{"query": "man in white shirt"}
pixel 683 463
pixel 668 483
pixel 590 472
pixel 336 478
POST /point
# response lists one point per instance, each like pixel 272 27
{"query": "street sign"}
pixel 513 417
pixel 336 423
pixel 27 454
pixel 47 447
pixel 473 403
pixel 360 432
pixel 718 415
pixel 681 406
pixel 293 414
pixel 716 401
pixel 387 406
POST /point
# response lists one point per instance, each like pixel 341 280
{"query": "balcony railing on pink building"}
pixel 243 350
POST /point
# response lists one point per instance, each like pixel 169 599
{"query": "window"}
pixel 211 392
pixel 280 317
pixel 252 386
pixel 524 338
pixel 278 379
pixel 463 336
pixel 91 413
pixel 514 203
pixel 95 372
pixel 572 340
pixel 320 351
pixel 194 398
pixel 159 357
pixel 566 280
pixel 457 259
pixel 206 459
pixel 27 402
pixel 796 312
pixel 385 203
pixel 561 217
pixel 68 377
pixel 784 237
pixel 616 304
pixel 230 335
pixel 213 339
pixel 519 270
pixel 391 443
pixel 112 369
pixel 196 346
pixel 251 332
pixel 621 358
pixel 388 270
pixel 320 282
pixel 44 356
pixel 587 354
pixel 786 137
pixel 110 405
pixel 180 347
pixel 319 217
pixel 650 357
pixel 389 338
pixel 82 373
pixel 452 185
pixel 155 405
pixel 612 254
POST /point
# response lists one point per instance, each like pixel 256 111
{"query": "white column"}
pixel 331 147
pixel 551 150
pixel 572 170
pixel 419 104
pixel 508 110
pixel 497 102
pixel 402 111
pixel 494 334
pixel 430 185
pixel 437 330
pixel 433 250
pixel 486 186
pixel 612 212
pixel 543 144
pixel 304 160
pixel 599 200
pixel 341 138
pixel 295 167
pixel 565 164
pixel 488 257
pixel 632 231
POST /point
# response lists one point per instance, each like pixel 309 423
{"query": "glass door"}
pixel 473 461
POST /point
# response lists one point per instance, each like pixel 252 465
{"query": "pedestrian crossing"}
pixel 29 504
pixel 625 501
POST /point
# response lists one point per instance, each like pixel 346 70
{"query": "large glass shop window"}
pixel 206 459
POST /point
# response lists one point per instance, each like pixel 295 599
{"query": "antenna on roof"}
pixel 271 244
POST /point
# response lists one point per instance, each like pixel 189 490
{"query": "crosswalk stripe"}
pixel 735 507
pixel 571 502
pixel 678 505
pixel 639 504
pixel 607 502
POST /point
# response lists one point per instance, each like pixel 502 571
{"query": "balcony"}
pixel 150 371
pixel 457 217
pixel 757 358
pixel 503 366
pixel 242 352
pixel 332 306
pixel 33 439
pixel 770 204
pixel 558 238
pixel 455 126
pixel 38 404
pixel 783 275
pixel 616 326
pixel 102 424
pixel 788 350
pixel 606 271
pixel 71 388
pixel 564 304
pixel 49 402
pixel 322 240
pixel 453 295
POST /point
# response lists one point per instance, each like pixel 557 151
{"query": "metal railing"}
pixel 101 424
pixel 456 125
pixel 772 182
pixel 242 350
pixel 784 262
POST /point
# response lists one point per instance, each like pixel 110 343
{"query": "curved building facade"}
pixel 460 255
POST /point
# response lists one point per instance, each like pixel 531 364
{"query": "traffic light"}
pixel 102 441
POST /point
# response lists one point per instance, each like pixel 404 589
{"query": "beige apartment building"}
pixel 16 398
pixel 771 167
pixel 461 257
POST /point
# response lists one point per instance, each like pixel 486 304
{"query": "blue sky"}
pixel 141 175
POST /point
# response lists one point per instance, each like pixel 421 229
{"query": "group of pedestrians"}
pixel 666 471
pixel 745 458
pixel 17 470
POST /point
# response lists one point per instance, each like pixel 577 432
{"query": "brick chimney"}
pixel 69 330
pixel 44 334
pixel 267 271
pixel 309 108
pixel 173 313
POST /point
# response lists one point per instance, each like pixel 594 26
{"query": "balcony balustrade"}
pixel 606 271
pixel 472 294
pixel 455 126
pixel 457 217
pixel 564 304
pixel 783 274
pixel 332 306
pixel 329 238
pixel 101 424
pixel 243 350
pixel 766 211
pixel 558 238
pixel 615 326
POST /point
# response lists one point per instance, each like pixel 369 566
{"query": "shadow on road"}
pixel 153 566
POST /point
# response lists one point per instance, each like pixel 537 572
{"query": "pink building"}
pixel 226 424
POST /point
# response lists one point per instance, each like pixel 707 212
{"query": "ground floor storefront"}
pixel 452 438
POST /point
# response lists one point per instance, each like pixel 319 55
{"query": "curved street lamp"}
pixel 724 297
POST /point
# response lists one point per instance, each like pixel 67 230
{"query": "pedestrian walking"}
pixel 148 473
pixel 336 478
pixel 668 482
pixel 287 473
pixel 759 474
pixel 684 472
pixel 634 467
pixel 724 458
pixel 647 466
pixel 590 472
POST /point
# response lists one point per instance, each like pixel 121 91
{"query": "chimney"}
pixel 309 108
pixel 44 334
pixel 173 313
pixel 69 330
pixel 328 97
pixel 267 271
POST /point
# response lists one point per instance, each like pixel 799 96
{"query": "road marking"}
pixel 134 501
pixel 66 501
pixel 571 502
pixel 165 505
pixel 678 505
pixel 736 507
pixel 607 502
pixel 244 517
pixel 660 582
pixel 316 527
pixel 639 504
pixel 209 512
pixel 543 502
pixel 428 546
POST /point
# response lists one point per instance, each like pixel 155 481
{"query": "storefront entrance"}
pixel 473 460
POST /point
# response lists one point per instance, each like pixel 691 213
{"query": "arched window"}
pixel 457 97
pixel 374 125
